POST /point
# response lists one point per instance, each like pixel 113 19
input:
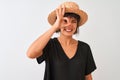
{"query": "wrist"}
pixel 55 28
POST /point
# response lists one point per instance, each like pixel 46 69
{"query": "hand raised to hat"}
pixel 60 11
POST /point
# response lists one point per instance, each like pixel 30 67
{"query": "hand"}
pixel 60 11
pixel 65 22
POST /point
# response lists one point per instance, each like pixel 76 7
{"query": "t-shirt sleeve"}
pixel 90 65
pixel 45 53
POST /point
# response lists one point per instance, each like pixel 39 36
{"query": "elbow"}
pixel 30 55
pixel 33 54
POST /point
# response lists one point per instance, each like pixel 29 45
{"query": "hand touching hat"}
pixel 70 7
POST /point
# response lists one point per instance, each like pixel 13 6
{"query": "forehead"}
pixel 72 15
pixel 71 18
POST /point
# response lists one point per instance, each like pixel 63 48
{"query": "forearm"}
pixel 38 45
pixel 88 77
pixel 35 50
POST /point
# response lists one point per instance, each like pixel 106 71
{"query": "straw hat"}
pixel 70 7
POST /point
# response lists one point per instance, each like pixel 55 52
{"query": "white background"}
pixel 22 21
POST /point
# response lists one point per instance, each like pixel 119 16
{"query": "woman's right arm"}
pixel 36 48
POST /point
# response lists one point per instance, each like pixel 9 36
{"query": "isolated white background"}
pixel 22 21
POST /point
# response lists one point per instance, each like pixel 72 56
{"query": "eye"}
pixel 74 21
pixel 65 21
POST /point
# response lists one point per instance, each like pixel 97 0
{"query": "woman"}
pixel 65 57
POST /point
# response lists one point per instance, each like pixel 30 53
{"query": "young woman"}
pixel 65 57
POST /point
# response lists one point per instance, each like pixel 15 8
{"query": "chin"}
pixel 69 34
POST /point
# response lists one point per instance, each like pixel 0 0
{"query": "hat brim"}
pixel 82 14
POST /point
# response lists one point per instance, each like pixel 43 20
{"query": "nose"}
pixel 69 23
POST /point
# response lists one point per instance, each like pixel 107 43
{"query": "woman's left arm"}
pixel 88 77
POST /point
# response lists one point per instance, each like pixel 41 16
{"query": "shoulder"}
pixel 52 41
pixel 85 46
pixel 82 43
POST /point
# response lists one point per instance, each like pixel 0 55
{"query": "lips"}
pixel 68 29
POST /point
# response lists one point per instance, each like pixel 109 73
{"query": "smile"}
pixel 68 30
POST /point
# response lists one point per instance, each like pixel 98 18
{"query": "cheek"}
pixel 75 26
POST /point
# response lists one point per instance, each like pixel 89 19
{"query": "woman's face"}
pixel 69 26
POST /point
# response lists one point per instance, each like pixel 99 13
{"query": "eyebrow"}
pixel 74 19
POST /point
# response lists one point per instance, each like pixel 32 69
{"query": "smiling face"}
pixel 70 24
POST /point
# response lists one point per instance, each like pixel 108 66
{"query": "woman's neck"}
pixel 66 40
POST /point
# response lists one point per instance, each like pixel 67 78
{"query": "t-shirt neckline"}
pixel 63 52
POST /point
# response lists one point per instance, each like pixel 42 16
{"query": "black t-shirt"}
pixel 59 67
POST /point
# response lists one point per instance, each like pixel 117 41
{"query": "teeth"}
pixel 68 30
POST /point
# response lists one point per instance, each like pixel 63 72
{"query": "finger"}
pixel 64 22
pixel 66 19
pixel 63 10
pixel 57 12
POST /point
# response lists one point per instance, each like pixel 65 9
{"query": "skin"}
pixel 67 28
